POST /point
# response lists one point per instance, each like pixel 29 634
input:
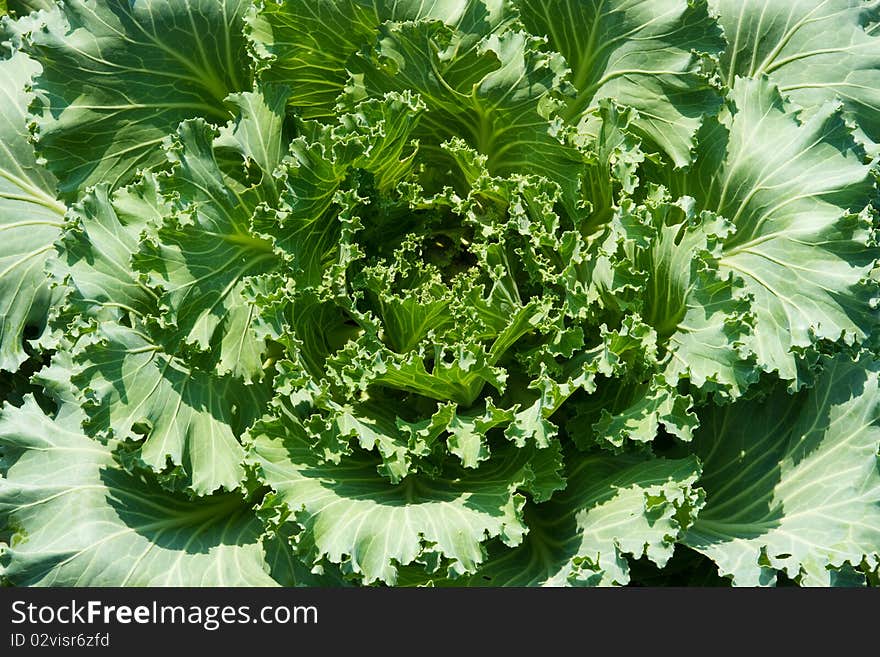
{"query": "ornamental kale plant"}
pixel 460 292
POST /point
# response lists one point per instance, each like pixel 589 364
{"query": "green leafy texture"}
pixel 626 354
pixel 408 320
pixel 365 370
pixel 407 447
pixel 94 252
pixel 375 422
pixel 634 412
pixel 311 330
pixel 373 425
pixel 306 43
pixel 793 192
pixel 646 55
pixel 814 51
pixel 461 352
pixel 457 374
pixel 140 69
pixel 617 156
pixel 351 516
pixel 634 399
pixel 308 226
pixel 30 217
pixel 199 257
pixel 134 387
pixel 593 275
pixel 135 390
pixel 23 7
pixel 257 132
pixel 427 307
pixel 79 519
pixel 498 97
pixel 612 506
pixel 421 292
pixel 467 433
pixel 701 314
pixel 795 488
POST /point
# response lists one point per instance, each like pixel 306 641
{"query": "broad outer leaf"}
pixel 139 69
pixel 814 50
pixel 792 190
pixel 792 482
pixel 643 54
pixel 352 516
pixel 79 519
pixel 133 389
pixel 202 252
pixel 94 251
pixel 612 506
pixel 30 216
pixel 257 132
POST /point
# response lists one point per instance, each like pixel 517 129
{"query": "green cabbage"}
pixel 465 292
